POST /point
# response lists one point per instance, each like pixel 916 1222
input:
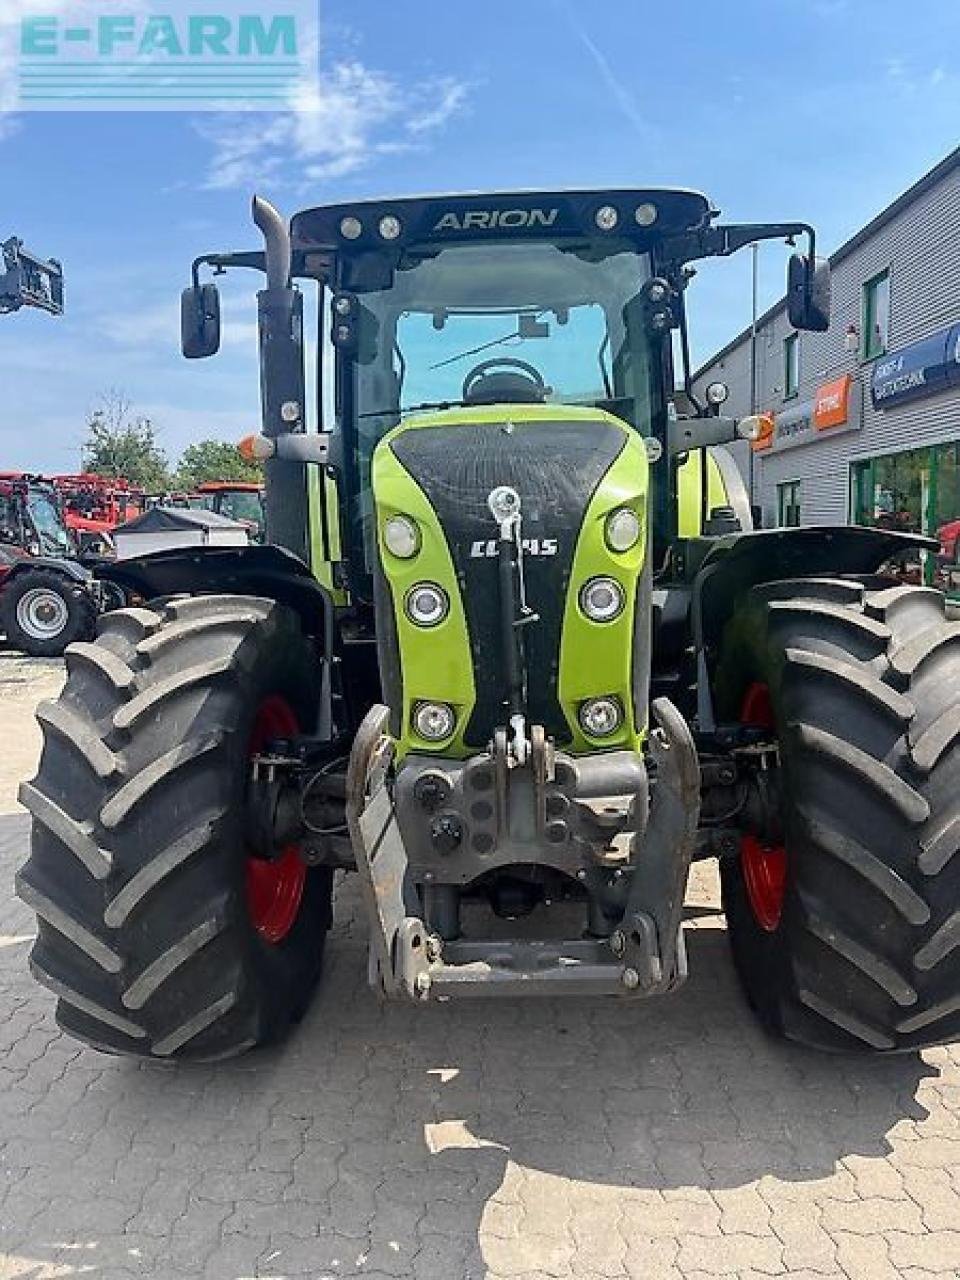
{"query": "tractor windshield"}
pixel 52 535
pixel 571 314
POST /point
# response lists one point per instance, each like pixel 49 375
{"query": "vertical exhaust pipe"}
pixel 276 239
pixel 282 386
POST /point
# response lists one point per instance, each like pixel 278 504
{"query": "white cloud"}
pixel 355 115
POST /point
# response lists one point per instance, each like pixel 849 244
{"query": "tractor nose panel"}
pixel 555 466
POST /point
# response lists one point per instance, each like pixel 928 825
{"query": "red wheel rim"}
pixel 274 888
pixel 764 865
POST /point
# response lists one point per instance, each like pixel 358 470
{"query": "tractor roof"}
pixel 641 215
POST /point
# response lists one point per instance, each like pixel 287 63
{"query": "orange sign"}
pixel 765 439
pixel 832 405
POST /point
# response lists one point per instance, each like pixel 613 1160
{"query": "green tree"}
pixel 123 445
pixel 214 460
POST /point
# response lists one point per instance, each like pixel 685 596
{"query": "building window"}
pixel 916 491
pixel 791 365
pixel 788 504
pixel 876 315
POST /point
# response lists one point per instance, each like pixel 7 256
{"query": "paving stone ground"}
pixel 575 1140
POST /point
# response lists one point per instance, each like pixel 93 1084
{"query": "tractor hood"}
pixel 571 466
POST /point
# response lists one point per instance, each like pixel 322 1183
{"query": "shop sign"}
pixel 793 425
pixel 922 369
pixel 831 408
pixel 835 407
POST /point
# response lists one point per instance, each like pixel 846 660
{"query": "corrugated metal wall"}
pixel 921 248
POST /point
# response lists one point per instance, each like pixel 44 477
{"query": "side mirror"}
pixel 808 293
pixel 200 321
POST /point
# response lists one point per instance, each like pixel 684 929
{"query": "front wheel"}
pixel 163 930
pixel 42 611
pixel 843 906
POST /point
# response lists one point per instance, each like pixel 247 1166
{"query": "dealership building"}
pixel 865 417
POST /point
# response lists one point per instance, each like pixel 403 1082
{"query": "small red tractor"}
pixel 47 597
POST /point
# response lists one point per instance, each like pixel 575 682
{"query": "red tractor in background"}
pixel 237 499
pixel 48 598
pixel 94 505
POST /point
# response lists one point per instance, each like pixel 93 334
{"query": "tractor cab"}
pixel 31 517
pixel 466 303
pixel 237 499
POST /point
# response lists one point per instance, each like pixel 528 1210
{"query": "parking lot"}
pixel 493 1139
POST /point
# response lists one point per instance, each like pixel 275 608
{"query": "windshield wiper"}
pixel 475 351
pixel 413 408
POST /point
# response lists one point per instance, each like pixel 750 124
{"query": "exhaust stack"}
pixel 282 389
pixel 276 237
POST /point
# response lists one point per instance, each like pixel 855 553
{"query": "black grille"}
pixel 555 467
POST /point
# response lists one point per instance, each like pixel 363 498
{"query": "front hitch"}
pixel 644 954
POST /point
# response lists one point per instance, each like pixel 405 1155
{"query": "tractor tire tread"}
pixel 866 696
pixel 136 871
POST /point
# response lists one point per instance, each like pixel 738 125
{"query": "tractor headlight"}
pixel 602 599
pixel 351 228
pixel 600 717
pixel 606 217
pixel 426 604
pixel 622 529
pixel 401 536
pixel 434 721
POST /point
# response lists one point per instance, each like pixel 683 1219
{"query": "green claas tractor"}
pixel 514 653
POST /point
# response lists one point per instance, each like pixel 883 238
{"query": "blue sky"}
pixel 815 109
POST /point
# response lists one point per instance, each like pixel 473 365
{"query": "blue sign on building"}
pixel 922 369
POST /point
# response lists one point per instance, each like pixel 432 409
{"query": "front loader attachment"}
pixel 642 952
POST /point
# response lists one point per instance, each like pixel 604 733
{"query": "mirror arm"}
pixel 721 241
pixel 221 261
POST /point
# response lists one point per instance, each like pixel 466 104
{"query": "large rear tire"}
pixel 160 932
pixel 845 924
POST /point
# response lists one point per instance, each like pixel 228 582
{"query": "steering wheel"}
pixel 503 379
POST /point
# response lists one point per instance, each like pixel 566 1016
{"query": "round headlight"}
pixel 426 604
pixel 342 305
pixel 434 720
pixel 600 716
pixel 645 215
pixel 717 393
pixel 351 228
pixel 606 217
pixel 602 599
pixel 390 227
pixel 401 536
pixel 623 529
